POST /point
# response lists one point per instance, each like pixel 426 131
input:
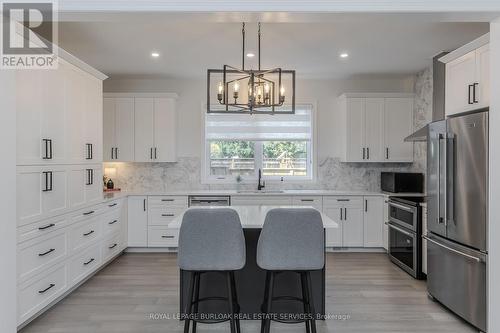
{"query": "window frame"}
pixel 208 179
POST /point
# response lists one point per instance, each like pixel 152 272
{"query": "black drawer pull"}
pixel 167 200
pixel 112 205
pixel 112 246
pixel 89 233
pixel 46 289
pixel 167 236
pixel 88 213
pixel 343 199
pixel 88 262
pixel 48 181
pixel 48 149
pixel 89 151
pixel 45 253
pixel 112 222
pixel 307 200
pixel 47 226
pixel 167 215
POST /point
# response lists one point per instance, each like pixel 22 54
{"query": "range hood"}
pixel 438 82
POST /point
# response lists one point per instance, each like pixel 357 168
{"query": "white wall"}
pixel 192 94
pixel 8 235
pixel 494 187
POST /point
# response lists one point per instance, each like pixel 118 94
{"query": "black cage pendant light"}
pixel 251 91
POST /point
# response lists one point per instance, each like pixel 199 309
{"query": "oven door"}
pixel 403 215
pixel 403 248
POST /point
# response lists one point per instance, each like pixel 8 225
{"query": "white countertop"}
pixel 252 217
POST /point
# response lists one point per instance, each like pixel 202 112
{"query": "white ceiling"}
pixel 394 44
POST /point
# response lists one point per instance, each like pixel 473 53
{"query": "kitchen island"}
pixel 250 280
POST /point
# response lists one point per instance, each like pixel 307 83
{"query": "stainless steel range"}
pixel 405 233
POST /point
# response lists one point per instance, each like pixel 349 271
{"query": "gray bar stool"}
pixel 211 240
pixel 292 239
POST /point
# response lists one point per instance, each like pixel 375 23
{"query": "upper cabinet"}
pixel 139 127
pixel 375 127
pixel 59 116
pixel 467 77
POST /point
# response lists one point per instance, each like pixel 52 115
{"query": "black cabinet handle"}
pixel 88 262
pixel 165 215
pixel 47 226
pixel 46 289
pixel 475 85
pixel 89 151
pixel 112 222
pixel 167 236
pixel 155 153
pixel 88 213
pixel 48 149
pixel 48 181
pixel 367 153
pixel 345 213
pixel 150 153
pixel 307 200
pixel 89 181
pixel 144 204
pixel 471 86
pixel 112 205
pixel 112 152
pixel 387 153
pixel 112 246
pixel 89 233
pixel 341 218
pixel 116 152
pixel 364 153
pixel 343 200
pixel 45 253
pixel 167 200
pixel 366 205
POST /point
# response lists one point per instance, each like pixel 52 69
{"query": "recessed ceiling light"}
pixel 250 55
pixel 344 55
pixel 155 54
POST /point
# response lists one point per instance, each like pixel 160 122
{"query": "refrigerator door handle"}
pixel 427 238
pixel 439 138
pixel 445 190
pixel 450 177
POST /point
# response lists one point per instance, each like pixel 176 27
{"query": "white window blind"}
pixel 262 127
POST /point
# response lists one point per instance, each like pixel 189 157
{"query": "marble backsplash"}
pixel 331 173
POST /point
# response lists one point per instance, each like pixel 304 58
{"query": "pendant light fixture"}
pixel 252 91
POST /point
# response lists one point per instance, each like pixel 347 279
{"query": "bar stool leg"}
pixel 235 299
pixel 196 297
pixel 231 302
pixel 264 304
pixel 189 305
pixel 310 300
pixel 267 325
pixel 305 299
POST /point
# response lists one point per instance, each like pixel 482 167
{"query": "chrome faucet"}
pixel 261 183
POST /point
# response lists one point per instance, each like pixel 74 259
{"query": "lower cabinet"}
pixel 137 221
pixel 55 255
pixel 373 222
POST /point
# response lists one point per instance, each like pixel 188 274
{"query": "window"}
pixel 239 145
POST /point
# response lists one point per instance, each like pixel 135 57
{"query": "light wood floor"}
pixel 375 294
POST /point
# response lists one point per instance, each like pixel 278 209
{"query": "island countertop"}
pixel 252 217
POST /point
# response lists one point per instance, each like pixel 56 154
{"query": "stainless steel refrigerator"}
pixel 457 189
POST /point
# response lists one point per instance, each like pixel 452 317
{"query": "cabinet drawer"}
pixel 163 215
pixel 84 233
pixel 35 295
pixel 87 213
pixel 111 246
pixel 38 254
pixel 163 237
pixel 314 201
pixel 167 201
pixel 111 223
pixel 343 201
pixel 113 205
pixel 41 228
pixel 84 263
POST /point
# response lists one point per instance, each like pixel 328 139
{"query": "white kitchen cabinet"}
pixel 467 77
pixel 84 185
pixel 41 192
pixel 398 124
pixel 143 127
pixel 137 221
pixel 373 221
pixel 375 127
pixel 118 115
pixel 348 213
pixel 93 120
pixel 75 117
pixel 308 200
